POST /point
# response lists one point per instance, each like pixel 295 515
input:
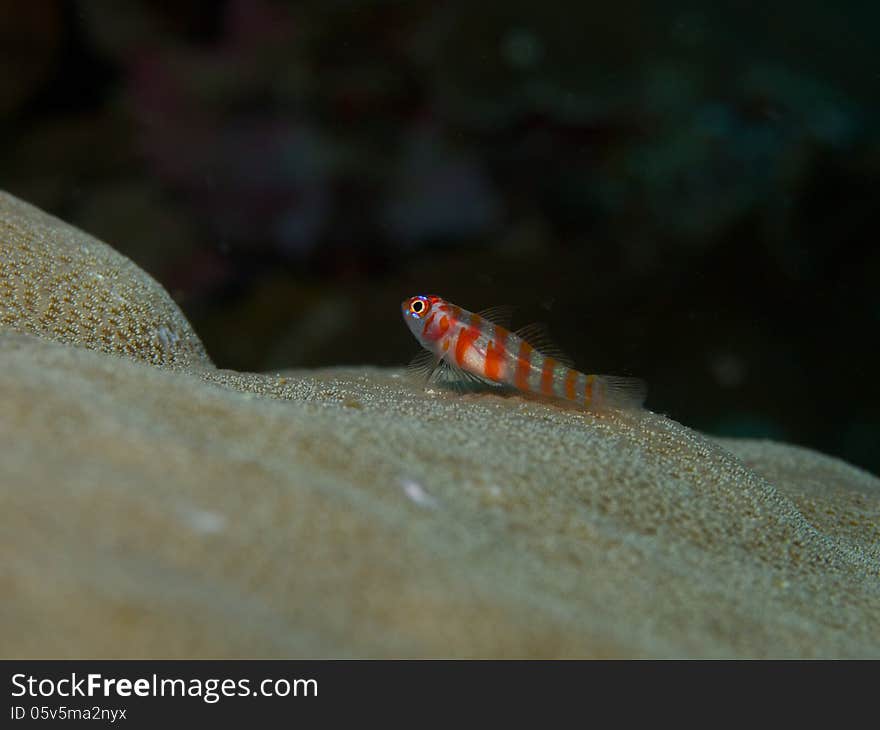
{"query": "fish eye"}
pixel 417 306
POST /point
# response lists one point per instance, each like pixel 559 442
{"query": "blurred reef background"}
pixel 688 192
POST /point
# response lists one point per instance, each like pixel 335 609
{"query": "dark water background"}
pixel 689 192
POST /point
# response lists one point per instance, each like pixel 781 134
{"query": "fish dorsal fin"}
pixel 537 335
pixel 500 314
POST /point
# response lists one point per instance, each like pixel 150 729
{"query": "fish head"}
pixel 419 314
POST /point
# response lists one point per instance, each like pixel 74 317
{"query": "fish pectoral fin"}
pixel 501 314
pixel 423 366
pixel 427 368
pixel 462 381
pixel 538 336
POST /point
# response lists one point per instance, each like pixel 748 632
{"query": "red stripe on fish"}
pixel 547 376
pixel 427 325
pixel 570 379
pixel 466 337
pixel 495 352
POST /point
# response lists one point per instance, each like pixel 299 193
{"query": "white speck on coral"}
pixel 417 494
pixel 204 521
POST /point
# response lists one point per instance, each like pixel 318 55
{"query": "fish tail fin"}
pixel 612 391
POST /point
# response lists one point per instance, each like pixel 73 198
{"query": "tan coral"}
pixel 156 513
pixel 200 512
pixel 64 285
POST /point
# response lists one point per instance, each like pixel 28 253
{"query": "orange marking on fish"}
pixel 588 390
pixel 427 325
pixel 547 376
pixel 523 366
pixel 443 324
pixel 466 337
pixel 495 355
pixel 570 378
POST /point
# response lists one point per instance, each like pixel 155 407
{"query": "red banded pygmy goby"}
pixel 476 347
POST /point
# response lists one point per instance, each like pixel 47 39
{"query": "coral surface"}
pixel 62 284
pixel 193 512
